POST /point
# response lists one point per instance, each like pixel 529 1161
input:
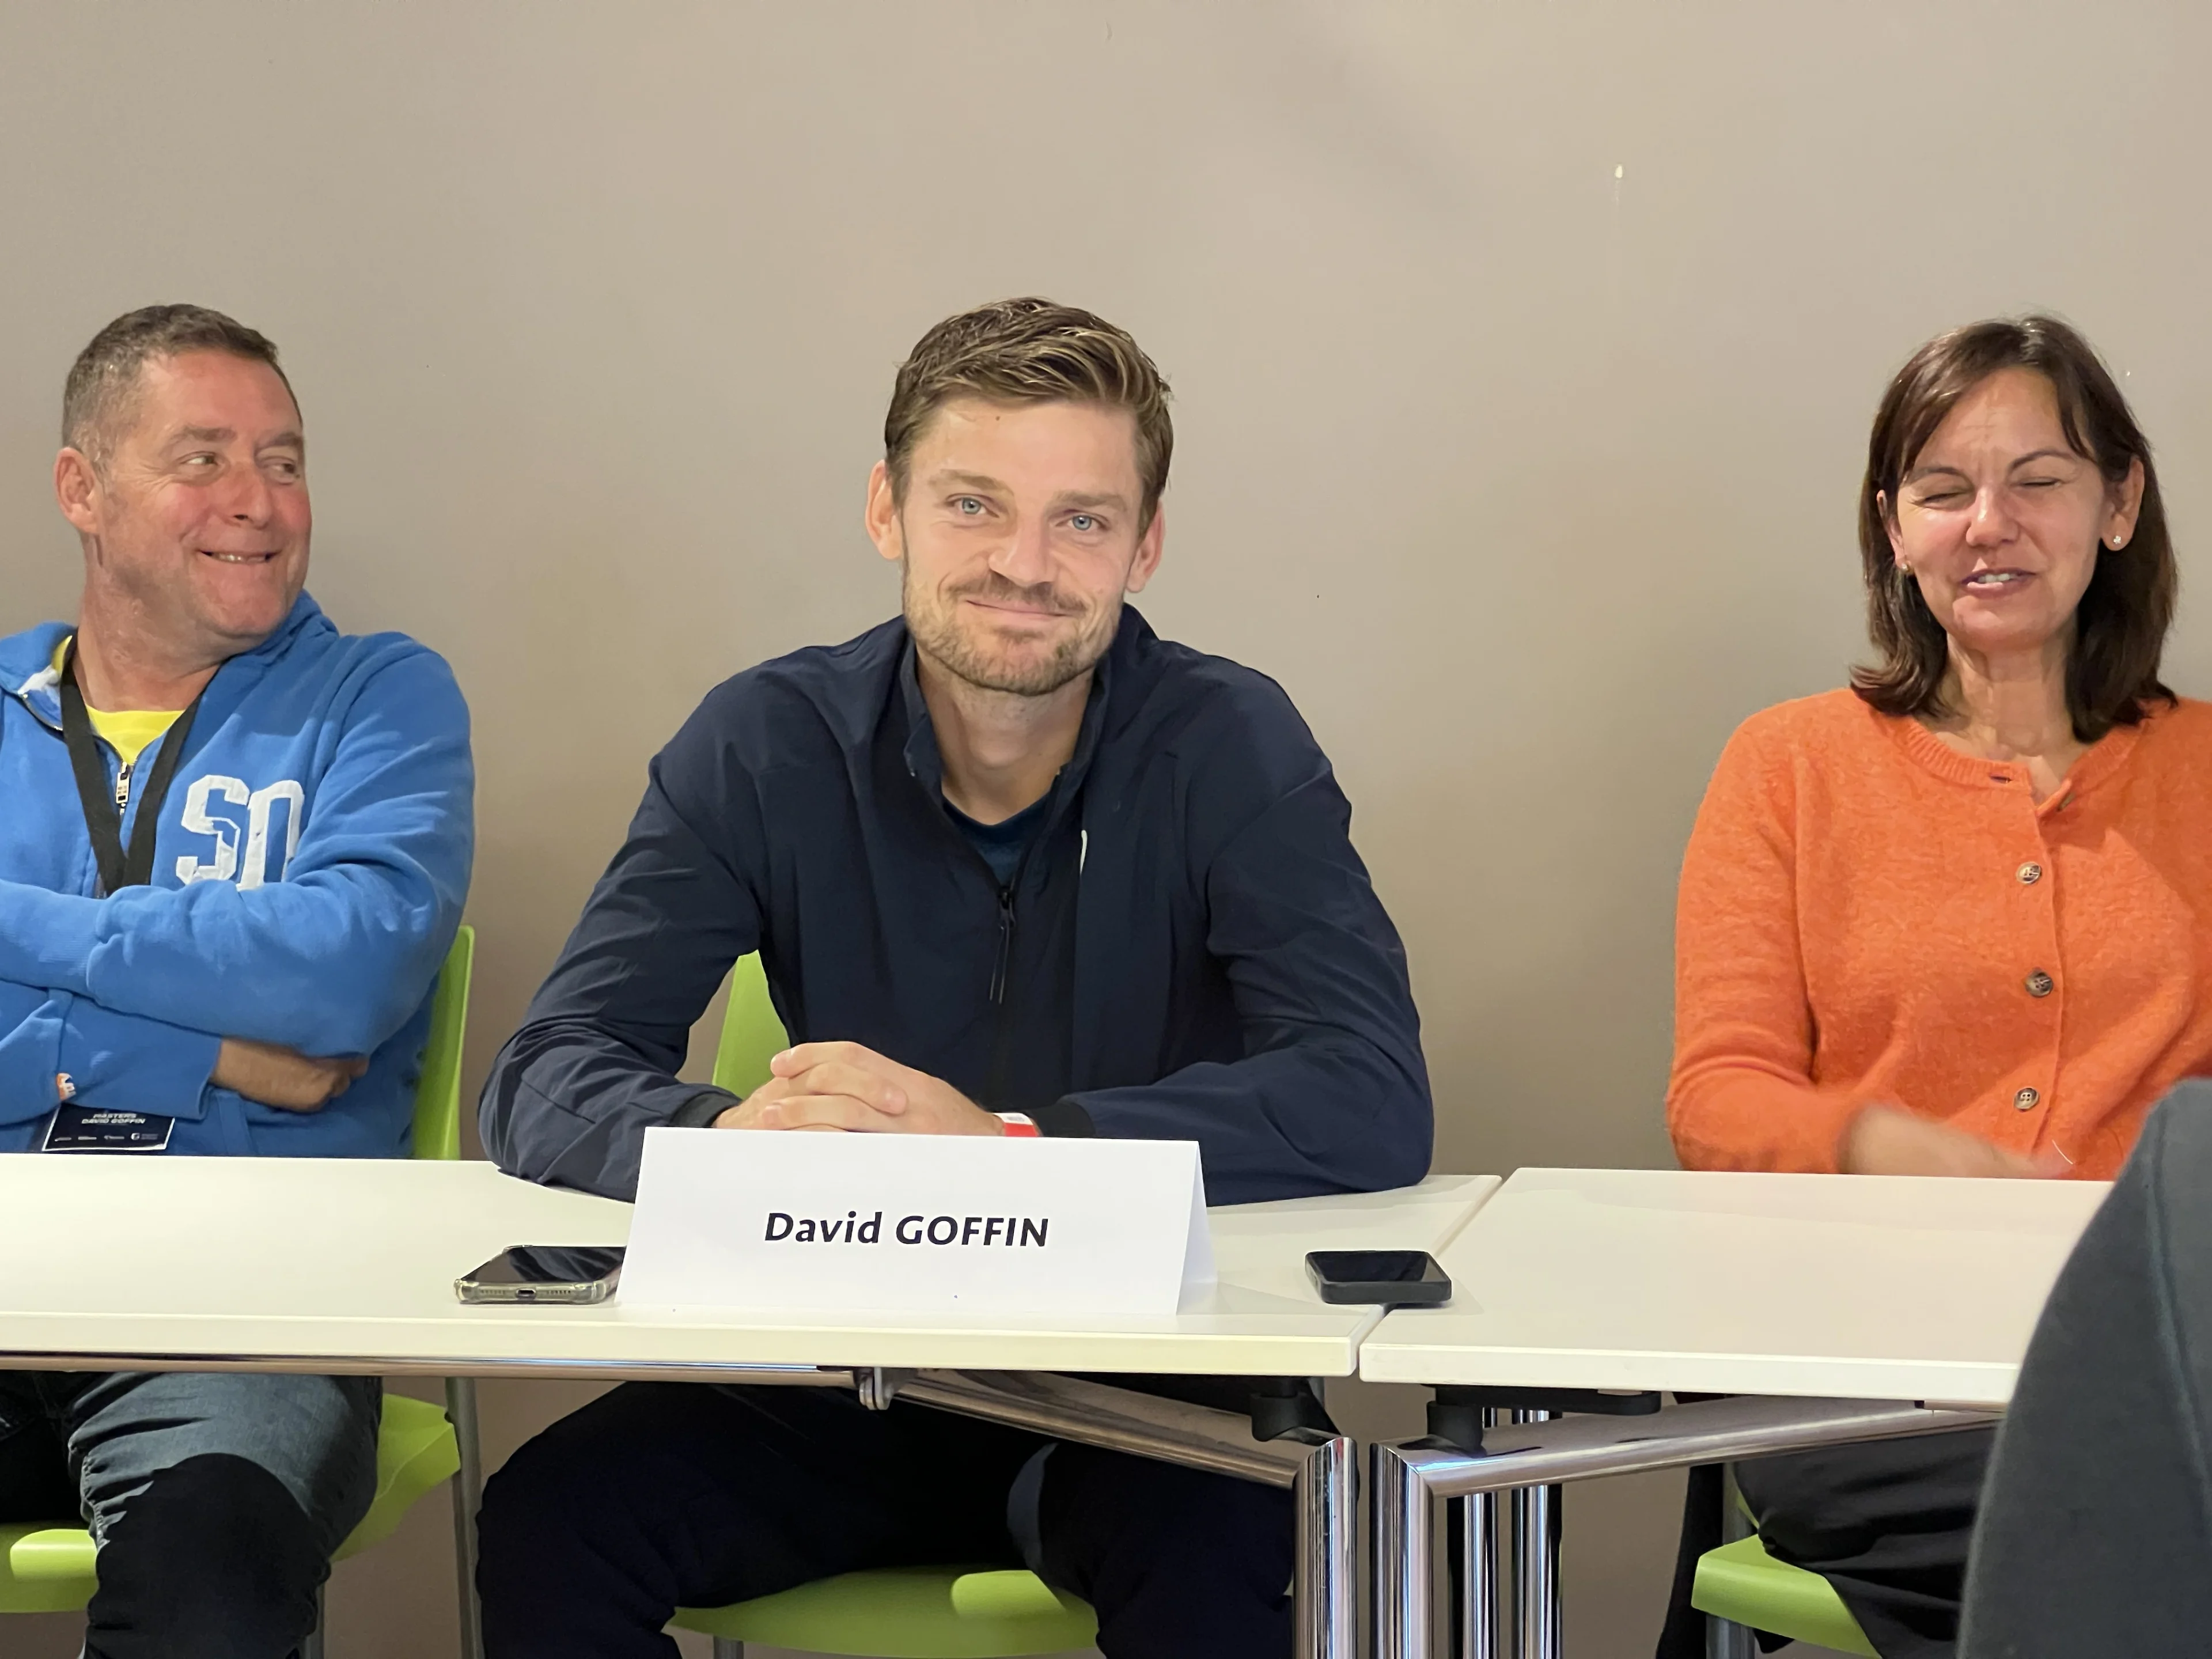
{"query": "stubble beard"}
pixel 931 619
pixel 162 606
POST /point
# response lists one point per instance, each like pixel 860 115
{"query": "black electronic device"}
pixel 1389 1279
pixel 545 1272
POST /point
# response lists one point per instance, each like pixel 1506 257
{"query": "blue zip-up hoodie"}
pixel 309 868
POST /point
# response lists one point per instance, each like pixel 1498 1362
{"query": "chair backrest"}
pixel 752 1036
pixel 438 1093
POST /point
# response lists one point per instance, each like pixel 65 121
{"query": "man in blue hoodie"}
pixel 234 853
pixel 1014 864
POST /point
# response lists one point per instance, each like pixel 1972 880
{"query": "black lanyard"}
pixel 103 818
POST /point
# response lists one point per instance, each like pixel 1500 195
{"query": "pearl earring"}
pixel 2119 542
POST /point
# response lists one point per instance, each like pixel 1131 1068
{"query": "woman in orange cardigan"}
pixel 1956 919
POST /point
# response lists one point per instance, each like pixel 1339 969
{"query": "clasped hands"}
pixel 816 1086
pixel 845 1086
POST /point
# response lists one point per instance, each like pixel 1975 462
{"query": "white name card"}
pixel 916 1224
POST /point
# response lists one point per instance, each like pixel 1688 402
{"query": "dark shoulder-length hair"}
pixel 2121 624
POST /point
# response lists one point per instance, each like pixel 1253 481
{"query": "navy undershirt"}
pixel 1002 844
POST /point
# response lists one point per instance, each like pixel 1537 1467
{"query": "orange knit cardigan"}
pixel 1867 916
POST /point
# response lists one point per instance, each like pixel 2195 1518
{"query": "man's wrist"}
pixel 701 1111
pixel 1064 1119
pixel 131 1060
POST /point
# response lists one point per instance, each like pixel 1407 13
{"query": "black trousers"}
pixel 658 1496
pixel 216 1499
pixel 1887 1522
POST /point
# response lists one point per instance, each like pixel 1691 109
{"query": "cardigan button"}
pixel 2025 1100
pixel 2030 875
pixel 2040 984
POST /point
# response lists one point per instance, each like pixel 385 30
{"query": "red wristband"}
pixel 1018 1123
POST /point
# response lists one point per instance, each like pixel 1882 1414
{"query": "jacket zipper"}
pixel 1002 1035
pixel 1002 969
pixel 1005 943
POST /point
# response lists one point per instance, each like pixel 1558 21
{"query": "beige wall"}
pixel 1523 354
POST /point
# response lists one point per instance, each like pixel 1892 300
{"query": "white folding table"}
pixel 1833 1307
pixel 348 1266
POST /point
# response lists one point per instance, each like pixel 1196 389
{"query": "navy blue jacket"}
pixel 1190 950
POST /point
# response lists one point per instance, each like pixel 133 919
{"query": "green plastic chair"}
pixel 887 1613
pixel 1745 1585
pixel 906 1613
pixel 752 1034
pixel 49 1568
pixel 438 1091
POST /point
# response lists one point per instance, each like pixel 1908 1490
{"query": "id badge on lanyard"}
pixel 76 1127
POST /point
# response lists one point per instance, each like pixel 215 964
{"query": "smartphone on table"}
pixel 1389 1279
pixel 568 1273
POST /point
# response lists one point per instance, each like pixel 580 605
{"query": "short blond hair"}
pixel 1032 351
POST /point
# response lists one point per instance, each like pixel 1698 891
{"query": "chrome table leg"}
pixel 468 1497
pixel 1536 1564
pixel 1408 1480
pixel 1326 1592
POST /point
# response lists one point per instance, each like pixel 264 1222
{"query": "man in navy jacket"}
pixel 1013 864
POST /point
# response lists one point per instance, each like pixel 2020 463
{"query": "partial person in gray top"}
pixel 2096 1526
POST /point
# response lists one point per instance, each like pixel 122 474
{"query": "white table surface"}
pixel 1849 1286
pixel 346 1265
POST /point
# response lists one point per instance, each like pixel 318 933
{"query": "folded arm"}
pixel 116 1061
pixel 332 959
pixel 594 1066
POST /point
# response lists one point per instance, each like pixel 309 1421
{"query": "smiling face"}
pixel 197 518
pixel 1999 521
pixel 1018 535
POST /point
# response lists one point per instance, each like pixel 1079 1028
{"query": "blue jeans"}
pixel 216 1499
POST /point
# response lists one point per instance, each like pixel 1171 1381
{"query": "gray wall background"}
pixel 1523 354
